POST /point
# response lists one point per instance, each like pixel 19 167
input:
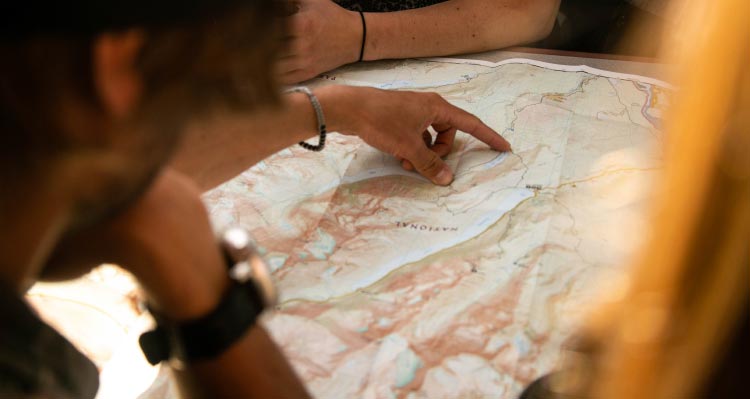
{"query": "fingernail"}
pixel 510 149
pixel 444 177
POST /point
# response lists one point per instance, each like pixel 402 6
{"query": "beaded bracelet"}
pixel 318 114
pixel 364 37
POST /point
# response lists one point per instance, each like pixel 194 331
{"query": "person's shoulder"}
pixel 35 360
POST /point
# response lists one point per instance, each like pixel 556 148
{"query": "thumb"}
pixel 430 165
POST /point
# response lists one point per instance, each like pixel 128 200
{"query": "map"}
pixel 394 287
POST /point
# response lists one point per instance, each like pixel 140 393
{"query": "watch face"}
pixel 248 264
pixel 237 243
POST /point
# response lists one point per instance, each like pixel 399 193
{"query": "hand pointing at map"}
pixel 395 122
pixel 398 122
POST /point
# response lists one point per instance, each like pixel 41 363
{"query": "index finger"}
pixel 466 122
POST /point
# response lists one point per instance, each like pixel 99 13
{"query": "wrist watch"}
pixel 250 292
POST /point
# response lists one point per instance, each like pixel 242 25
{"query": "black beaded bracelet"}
pixel 364 37
pixel 318 114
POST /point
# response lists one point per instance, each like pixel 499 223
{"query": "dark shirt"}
pixel 606 26
pixel 37 361
pixel 385 5
pixel 655 6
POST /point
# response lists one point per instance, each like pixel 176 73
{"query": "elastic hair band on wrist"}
pixel 364 37
pixel 318 114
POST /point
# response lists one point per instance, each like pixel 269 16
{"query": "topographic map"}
pixel 391 286
pixel 394 287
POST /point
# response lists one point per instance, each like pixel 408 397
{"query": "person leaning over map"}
pixel 94 98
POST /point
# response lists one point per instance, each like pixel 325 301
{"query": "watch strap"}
pixel 208 336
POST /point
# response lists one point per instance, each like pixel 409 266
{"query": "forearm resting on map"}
pixel 393 122
pixel 323 36
pixel 458 27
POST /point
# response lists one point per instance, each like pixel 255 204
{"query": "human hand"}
pixel 322 36
pixel 165 240
pixel 396 122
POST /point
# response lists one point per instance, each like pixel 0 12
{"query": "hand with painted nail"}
pixel 397 122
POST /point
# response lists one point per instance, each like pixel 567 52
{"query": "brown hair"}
pixel 688 293
pixel 189 68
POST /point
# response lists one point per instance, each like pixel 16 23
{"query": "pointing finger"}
pixel 464 121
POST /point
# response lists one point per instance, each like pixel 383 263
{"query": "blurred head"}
pixel 677 325
pixel 95 112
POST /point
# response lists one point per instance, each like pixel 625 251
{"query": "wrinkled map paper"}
pixel 393 287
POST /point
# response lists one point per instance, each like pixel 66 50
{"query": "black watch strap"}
pixel 207 336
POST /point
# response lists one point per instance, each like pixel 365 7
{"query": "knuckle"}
pixel 306 48
pixel 294 24
pixel 434 98
pixel 288 67
pixel 301 62
pixel 302 24
pixel 431 164
pixel 408 149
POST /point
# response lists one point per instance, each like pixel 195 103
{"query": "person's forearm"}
pixel 254 367
pixel 391 121
pixel 211 158
pixel 166 241
pixel 458 26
